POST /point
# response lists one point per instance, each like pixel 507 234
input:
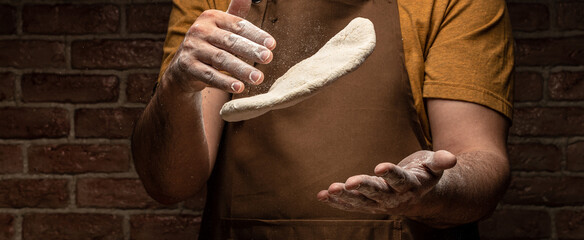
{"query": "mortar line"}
pixel 24 149
pixel 18 222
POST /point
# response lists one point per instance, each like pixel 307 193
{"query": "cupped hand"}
pixel 216 48
pixel 396 189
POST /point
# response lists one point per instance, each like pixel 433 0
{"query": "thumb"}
pixel 239 8
pixel 441 161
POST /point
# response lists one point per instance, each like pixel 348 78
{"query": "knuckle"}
pixel 238 26
pixel 211 13
pixel 182 62
pixel 229 40
pixel 187 45
pixel 219 58
pixel 197 30
pixel 208 75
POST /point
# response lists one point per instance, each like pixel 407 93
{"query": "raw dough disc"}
pixel 342 54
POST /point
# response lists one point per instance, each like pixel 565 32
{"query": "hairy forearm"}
pixel 169 145
pixel 466 193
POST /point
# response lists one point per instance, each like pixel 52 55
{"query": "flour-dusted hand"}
pixel 221 41
pixel 396 189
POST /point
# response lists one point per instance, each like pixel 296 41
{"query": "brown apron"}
pixel 270 168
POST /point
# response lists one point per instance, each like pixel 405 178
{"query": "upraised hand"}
pixel 396 189
pixel 221 41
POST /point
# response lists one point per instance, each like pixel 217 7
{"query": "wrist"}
pixel 170 92
pixel 175 81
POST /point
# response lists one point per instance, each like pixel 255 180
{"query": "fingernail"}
pixel 269 42
pixel 264 55
pixel 236 86
pixel 255 76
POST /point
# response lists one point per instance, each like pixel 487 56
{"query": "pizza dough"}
pixel 342 54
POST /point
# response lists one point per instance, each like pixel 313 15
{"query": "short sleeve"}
pixel 183 15
pixel 471 56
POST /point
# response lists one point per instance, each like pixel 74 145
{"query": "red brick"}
pixel 566 85
pixel 72 226
pixel 78 158
pixel 32 53
pixel 6 226
pixel 140 87
pixel 528 86
pixel 10 159
pixel 69 88
pixel 116 54
pixel 548 191
pixel 570 15
pixel 7 19
pixel 170 227
pixel 113 193
pixel 569 224
pixel 148 18
pixel 36 193
pixel 106 123
pixel 575 156
pixel 550 51
pixel 197 203
pixel 560 121
pixel 70 19
pixel 7 86
pixel 28 123
pixel 516 224
pixel 529 17
pixel 534 157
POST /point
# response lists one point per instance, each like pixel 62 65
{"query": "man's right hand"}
pixel 218 43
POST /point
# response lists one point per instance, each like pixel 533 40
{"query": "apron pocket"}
pixel 259 229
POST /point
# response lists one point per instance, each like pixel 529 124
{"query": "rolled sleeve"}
pixel 471 57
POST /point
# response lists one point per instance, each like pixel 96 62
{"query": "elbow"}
pixel 168 185
pixel 169 196
pixel 170 190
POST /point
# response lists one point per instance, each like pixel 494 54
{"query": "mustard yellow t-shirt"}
pixel 454 49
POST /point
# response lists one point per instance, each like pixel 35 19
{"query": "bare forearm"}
pixel 169 145
pixel 466 193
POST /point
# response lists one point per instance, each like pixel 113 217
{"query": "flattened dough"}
pixel 342 54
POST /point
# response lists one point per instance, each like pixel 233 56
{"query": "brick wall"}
pixel 74 75
pixel 546 143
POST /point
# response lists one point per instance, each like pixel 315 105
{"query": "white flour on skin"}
pixel 244 45
pixel 252 32
pixel 340 55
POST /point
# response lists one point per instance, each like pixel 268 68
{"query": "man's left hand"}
pixel 396 189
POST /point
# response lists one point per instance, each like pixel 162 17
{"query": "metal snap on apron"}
pixel 270 168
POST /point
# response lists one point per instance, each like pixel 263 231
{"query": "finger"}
pixel 372 187
pixel 227 62
pixel 212 19
pixel 214 78
pixel 396 177
pixel 347 206
pixel 248 30
pixel 441 161
pixel 239 8
pixel 323 196
pixel 241 46
pixel 338 195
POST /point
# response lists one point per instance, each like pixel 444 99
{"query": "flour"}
pixel 342 54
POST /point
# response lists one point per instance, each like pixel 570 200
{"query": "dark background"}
pixel 74 75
